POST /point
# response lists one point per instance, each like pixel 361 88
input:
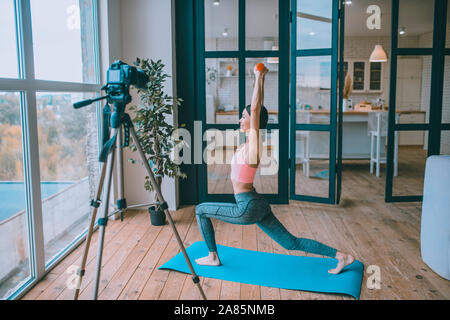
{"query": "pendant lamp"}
pixel 378 54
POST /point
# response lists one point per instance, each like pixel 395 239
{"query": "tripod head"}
pixel 120 77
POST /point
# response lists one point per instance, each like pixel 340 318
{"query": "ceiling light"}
pixel 378 54
pixel 216 2
pixel 402 30
pixel 348 2
pixel 225 32
pixel 312 33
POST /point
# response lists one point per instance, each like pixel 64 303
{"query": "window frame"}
pixel 28 86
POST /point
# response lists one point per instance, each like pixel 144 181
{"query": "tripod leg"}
pixel 94 205
pixel 103 220
pixel 121 202
pixel 166 211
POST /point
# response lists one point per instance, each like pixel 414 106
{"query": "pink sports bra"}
pixel 240 171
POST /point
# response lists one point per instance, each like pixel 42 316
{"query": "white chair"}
pixel 435 225
pixel 303 137
pixel 377 129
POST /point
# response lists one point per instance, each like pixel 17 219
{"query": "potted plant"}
pixel 153 130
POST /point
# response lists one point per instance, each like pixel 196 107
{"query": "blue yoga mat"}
pixel 273 270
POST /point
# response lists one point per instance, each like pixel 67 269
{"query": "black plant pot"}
pixel 157 216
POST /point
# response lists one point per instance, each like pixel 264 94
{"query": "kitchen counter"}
pixel 359 112
pixel 354 112
pixel 235 112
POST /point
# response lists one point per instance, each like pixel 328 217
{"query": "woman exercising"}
pixel 250 207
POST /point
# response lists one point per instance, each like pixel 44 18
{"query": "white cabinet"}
pixel 366 76
pixel 359 74
pixel 375 77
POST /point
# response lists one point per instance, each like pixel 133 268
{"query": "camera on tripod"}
pixel 120 77
pixel 123 74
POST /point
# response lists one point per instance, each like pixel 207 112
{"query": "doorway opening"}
pixel 390 88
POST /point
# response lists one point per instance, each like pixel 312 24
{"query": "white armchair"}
pixel 435 225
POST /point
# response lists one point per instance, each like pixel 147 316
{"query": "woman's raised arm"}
pixel 255 108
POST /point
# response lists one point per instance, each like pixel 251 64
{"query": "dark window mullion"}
pixel 333 109
pixel 414 51
pixel 242 57
pixel 283 100
pixel 293 108
pixel 411 127
pixel 406 199
pixel 312 127
pixel 201 99
pixel 221 54
pixel 314 52
pixel 392 101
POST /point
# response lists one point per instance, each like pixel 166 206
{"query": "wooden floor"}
pixel 381 234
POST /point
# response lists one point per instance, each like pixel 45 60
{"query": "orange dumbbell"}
pixel 260 67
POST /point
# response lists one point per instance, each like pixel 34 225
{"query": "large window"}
pixel 48 150
pixel 8 58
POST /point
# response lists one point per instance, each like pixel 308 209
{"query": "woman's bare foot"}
pixel 343 261
pixel 211 260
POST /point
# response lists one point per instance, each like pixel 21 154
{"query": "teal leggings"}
pixel 251 208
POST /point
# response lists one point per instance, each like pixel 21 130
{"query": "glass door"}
pixel 233 36
pixel 314 100
pixel 417 104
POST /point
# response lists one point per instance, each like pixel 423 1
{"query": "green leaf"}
pixel 152 130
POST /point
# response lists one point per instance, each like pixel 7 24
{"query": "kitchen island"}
pixel 356 140
pixel 355 136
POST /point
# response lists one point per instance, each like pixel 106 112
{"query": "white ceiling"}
pixel 262 17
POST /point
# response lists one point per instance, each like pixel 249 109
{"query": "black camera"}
pixel 123 74
pixel 120 77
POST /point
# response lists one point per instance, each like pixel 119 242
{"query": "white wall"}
pixel 139 28
pixel 146 27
